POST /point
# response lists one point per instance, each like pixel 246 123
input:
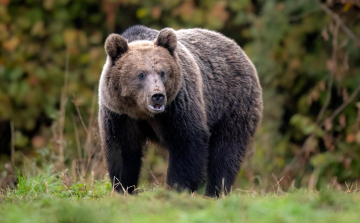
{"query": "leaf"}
pixel 16 74
pixel 347 6
pixel 357 104
pixel 4 2
pixel 342 120
pixel 325 34
pixel 11 44
pixel 350 138
pixel 156 12
pixel 141 13
pixel 328 124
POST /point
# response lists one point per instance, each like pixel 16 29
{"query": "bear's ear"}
pixel 167 39
pixel 115 46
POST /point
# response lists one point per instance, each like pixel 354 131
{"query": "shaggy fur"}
pixel 212 98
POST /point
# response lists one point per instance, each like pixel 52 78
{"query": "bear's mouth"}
pixel 157 107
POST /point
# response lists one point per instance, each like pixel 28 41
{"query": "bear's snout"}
pixel 158 98
pixel 157 103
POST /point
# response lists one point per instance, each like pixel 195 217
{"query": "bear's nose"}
pixel 158 98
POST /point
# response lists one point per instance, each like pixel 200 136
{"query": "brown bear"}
pixel 194 91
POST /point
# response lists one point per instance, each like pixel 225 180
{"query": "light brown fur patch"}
pixel 123 93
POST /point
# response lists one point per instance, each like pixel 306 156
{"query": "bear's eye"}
pixel 162 73
pixel 141 76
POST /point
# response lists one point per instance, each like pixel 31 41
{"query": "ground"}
pixel 44 198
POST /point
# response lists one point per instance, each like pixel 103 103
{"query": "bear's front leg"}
pixel 122 141
pixel 186 166
pixel 187 140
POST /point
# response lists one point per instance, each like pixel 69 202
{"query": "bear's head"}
pixel 142 77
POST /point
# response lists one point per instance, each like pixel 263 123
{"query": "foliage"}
pixel 52 54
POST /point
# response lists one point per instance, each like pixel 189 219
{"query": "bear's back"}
pixel 229 77
pixel 198 37
pixel 139 32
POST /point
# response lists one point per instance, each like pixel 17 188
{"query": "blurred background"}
pixel 307 54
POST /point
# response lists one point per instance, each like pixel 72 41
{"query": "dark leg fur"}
pixel 227 148
pixel 122 143
pixel 187 141
pixel 187 162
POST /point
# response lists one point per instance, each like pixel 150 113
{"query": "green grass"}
pixel 44 198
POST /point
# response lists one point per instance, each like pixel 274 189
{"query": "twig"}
pixel 250 191
pixel 77 138
pixel 303 15
pixel 69 192
pixel 330 83
pixel 331 182
pixel 89 135
pixel 332 73
pixel 223 187
pixel 12 143
pixel 341 22
pixel 277 183
pixel 116 185
pixel 47 187
pixel 314 177
pixel 92 179
pixel 113 187
pixel 153 176
pixel 347 187
pixel 346 103
pixel 63 101
pixel 78 111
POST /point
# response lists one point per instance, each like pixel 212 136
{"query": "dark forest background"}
pixel 307 54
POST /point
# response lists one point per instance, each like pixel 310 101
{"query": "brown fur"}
pixel 213 105
pixel 121 93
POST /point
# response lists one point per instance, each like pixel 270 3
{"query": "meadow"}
pixel 45 198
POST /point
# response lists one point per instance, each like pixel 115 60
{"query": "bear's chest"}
pixel 157 130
